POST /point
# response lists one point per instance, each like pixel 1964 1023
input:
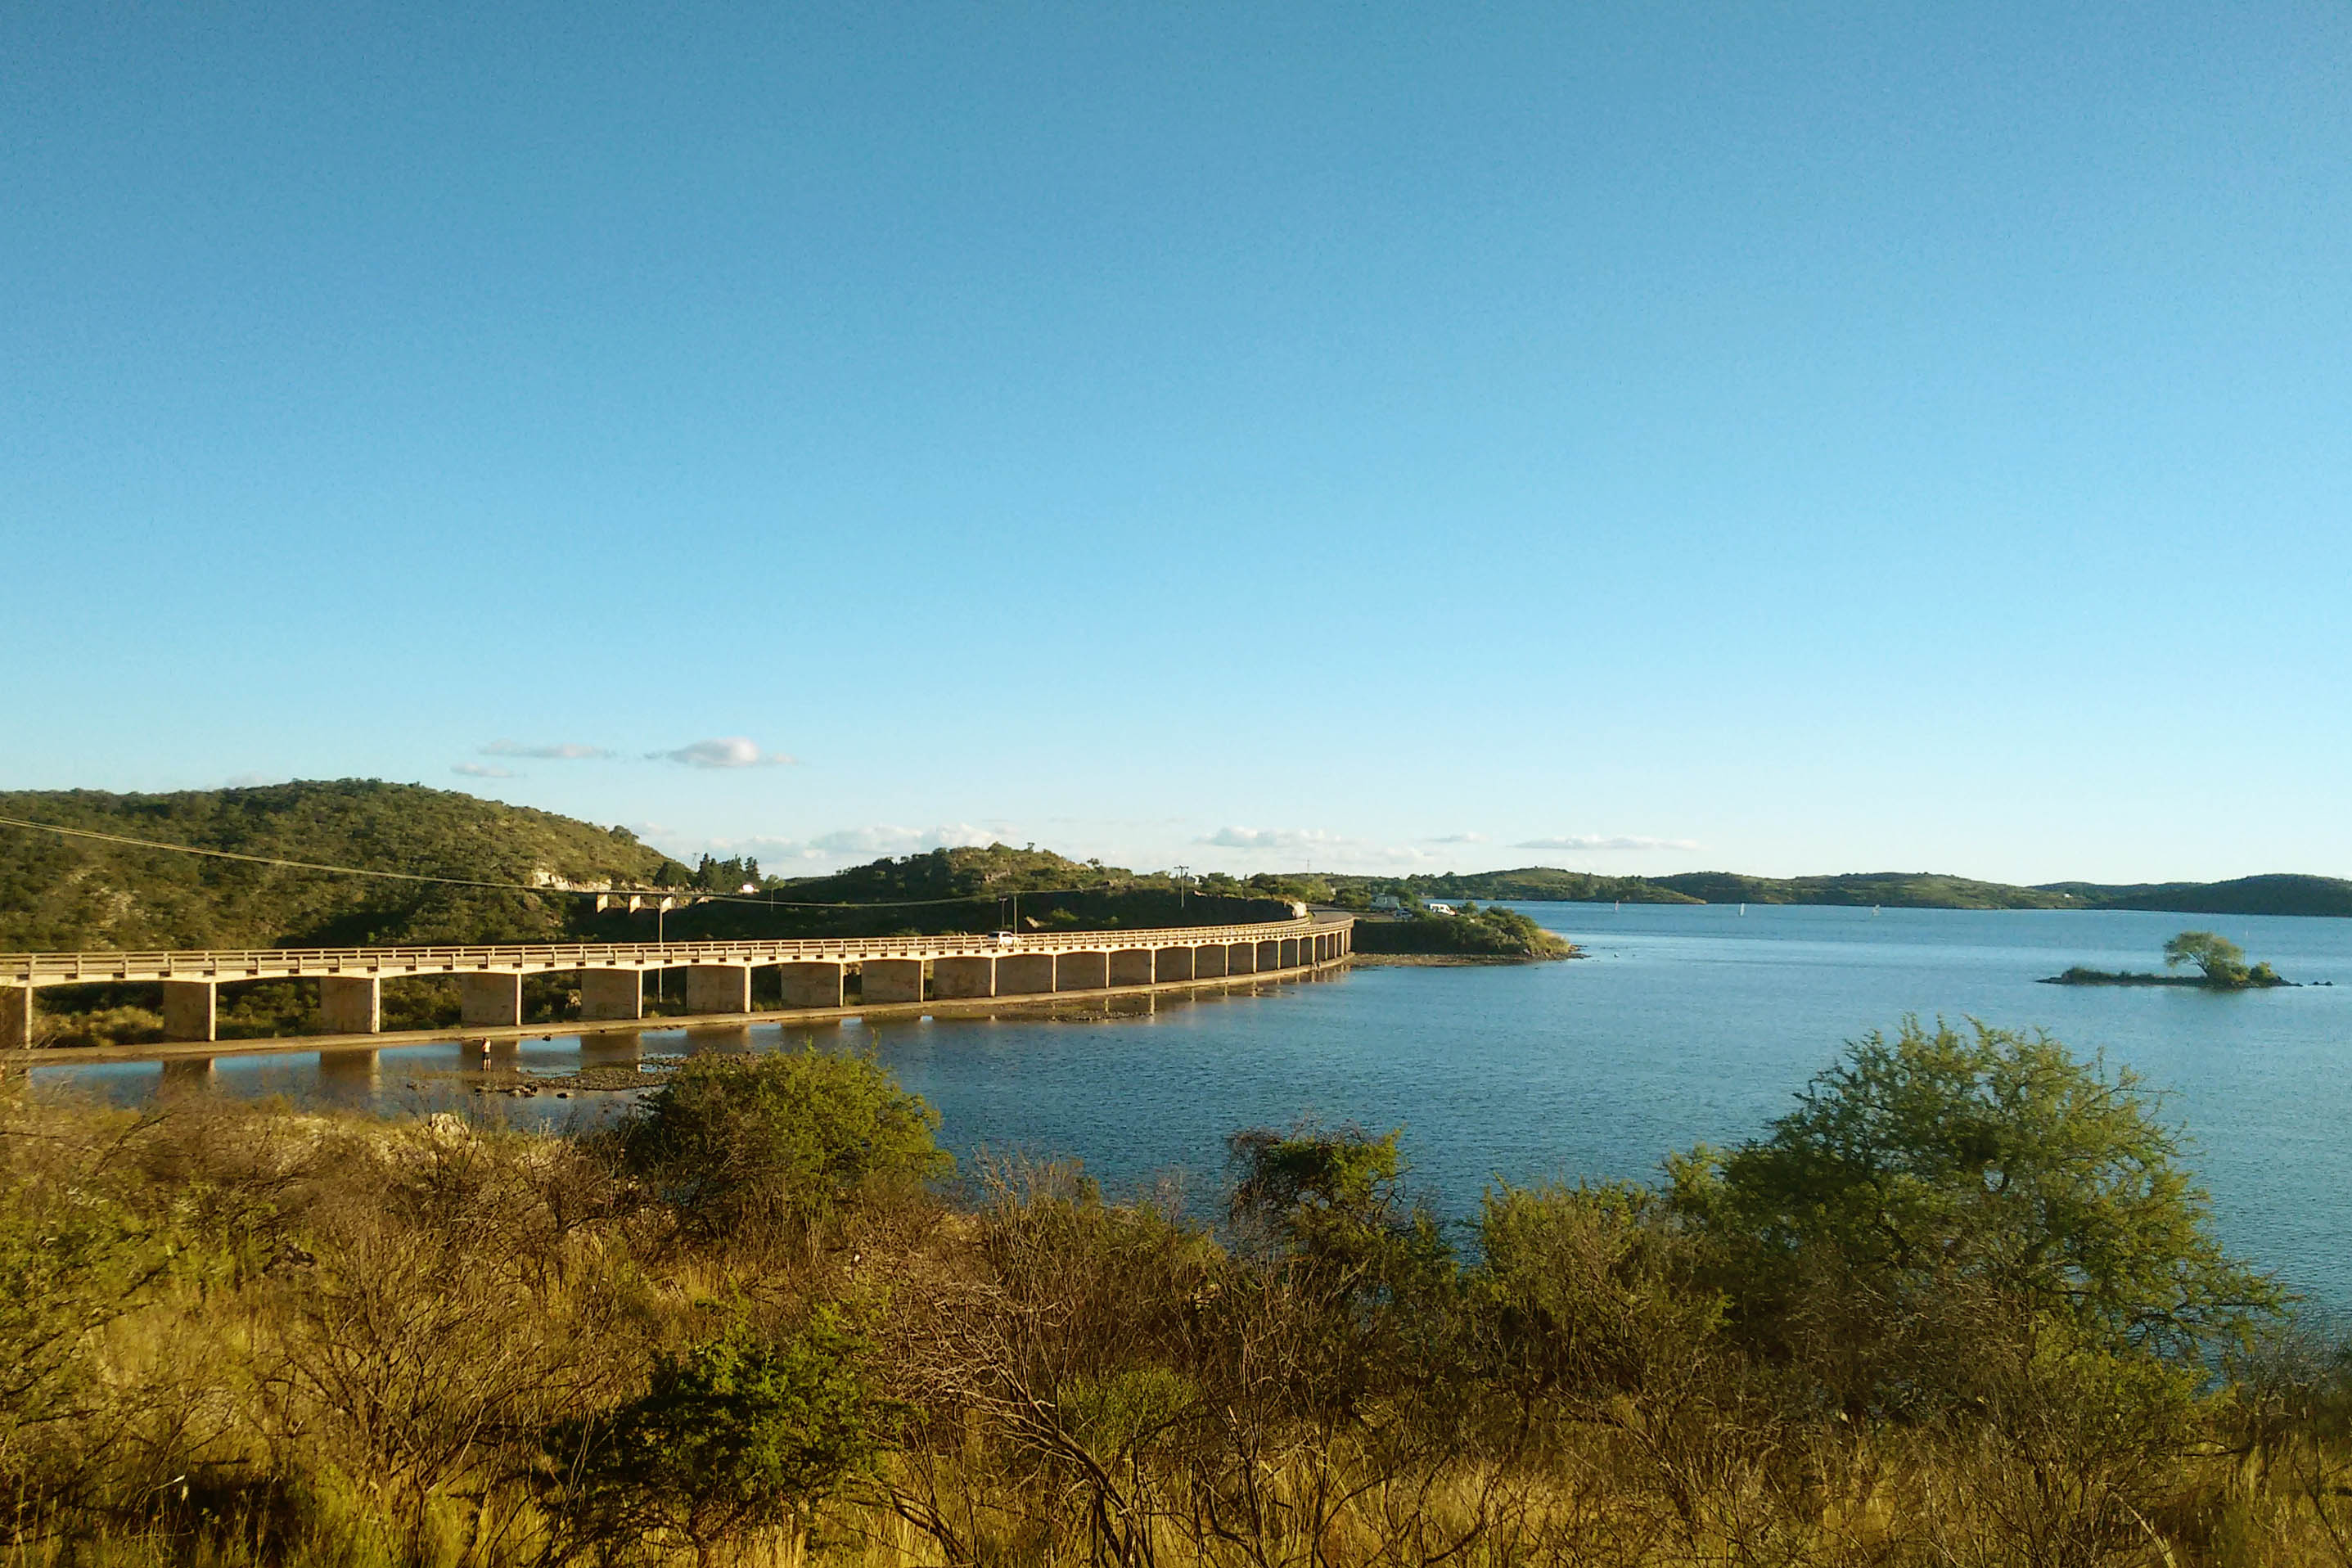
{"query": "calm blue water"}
pixel 1686 1024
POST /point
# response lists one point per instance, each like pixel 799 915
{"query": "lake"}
pixel 1684 1024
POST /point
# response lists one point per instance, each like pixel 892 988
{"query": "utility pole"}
pixel 1183 874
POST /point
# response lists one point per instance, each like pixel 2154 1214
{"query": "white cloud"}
pixel 1275 839
pixel 483 771
pixel 1458 838
pixel 883 840
pixel 562 752
pixel 1590 841
pixel 725 752
pixel 1314 846
pixel 253 781
pixel 831 850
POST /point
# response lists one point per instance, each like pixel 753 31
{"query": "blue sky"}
pixel 1774 438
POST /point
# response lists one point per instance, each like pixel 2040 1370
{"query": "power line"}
pixel 503 886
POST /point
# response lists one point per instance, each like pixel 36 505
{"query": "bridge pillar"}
pixel 1241 958
pixel 191 1009
pixel 717 987
pixel 610 995
pixel 1081 971
pixel 1209 963
pixel 1269 955
pixel 351 1004
pixel 891 979
pixel 1025 974
pixel 963 977
pixel 1131 966
pixel 490 1001
pixel 16 1017
pixel 812 984
pixel 1173 963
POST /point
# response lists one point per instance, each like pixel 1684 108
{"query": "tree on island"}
pixel 2222 961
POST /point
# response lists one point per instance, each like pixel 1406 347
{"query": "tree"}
pixel 2222 961
pixel 1367 1273
pixel 1939 1187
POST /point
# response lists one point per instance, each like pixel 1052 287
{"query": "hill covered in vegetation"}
pixel 64 893
pixel 61 893
pixel 995 888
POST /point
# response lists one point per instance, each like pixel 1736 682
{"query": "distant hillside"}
pixel 1543 882
pixel 75 893
pixel 2269 895
pixel 1896 890
pixel 2280 893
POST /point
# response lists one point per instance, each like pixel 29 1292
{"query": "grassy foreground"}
pixel 1958 1307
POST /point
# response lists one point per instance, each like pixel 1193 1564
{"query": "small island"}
pixel 1434 934
pixel 2221 966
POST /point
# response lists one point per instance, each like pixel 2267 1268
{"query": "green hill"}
pixel 2280 893
pixel 975 888
pixel 59 893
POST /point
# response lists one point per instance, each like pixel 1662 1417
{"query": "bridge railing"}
pixel 281 962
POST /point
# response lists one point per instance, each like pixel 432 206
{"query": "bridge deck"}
pixel 35 969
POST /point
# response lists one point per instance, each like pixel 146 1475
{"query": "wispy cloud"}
pixel 253 781
pixel 1458 838
pixel 483 771
pixel 725 752
pixel 562 752
pixel 1590 841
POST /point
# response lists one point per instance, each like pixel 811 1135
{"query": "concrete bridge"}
pixel 815 973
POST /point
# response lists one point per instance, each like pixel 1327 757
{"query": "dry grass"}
pixel 240 1335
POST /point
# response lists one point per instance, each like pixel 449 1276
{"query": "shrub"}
pixel 741 1432
pixel 740 1144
